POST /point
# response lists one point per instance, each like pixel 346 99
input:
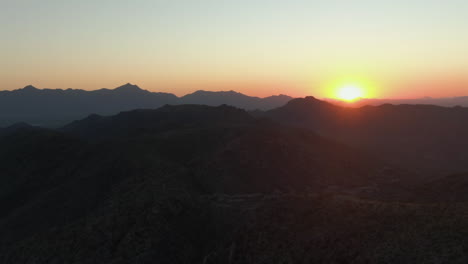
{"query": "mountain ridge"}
pixel 56 107
pixel 427 137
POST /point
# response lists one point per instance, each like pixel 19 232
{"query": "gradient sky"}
pixel 407 48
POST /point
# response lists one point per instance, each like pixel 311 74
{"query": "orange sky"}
pixel 407 49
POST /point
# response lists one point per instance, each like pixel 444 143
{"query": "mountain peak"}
pixel 309 102
pixel 128 87
pixel 305 100
pixel 30 88
pixel 19 125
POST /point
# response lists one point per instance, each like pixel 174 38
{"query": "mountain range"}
pixel 143 184
pixel 56 107
pixel 306 182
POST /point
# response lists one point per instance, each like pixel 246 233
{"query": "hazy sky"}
pixel 407 48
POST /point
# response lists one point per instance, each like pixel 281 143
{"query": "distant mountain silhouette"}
pixel 235 99
pixel 17 127
pixel 430 139
pixel 56 107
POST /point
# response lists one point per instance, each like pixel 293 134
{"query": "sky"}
pixel 394 49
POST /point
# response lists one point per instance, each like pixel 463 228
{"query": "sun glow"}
pixel 350 88
pixel 350 92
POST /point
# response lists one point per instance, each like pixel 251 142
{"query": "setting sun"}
pixel 350 88
pixel 350 92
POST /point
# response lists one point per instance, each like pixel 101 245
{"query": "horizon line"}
pixel 227 91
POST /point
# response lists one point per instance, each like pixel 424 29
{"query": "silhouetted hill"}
pixel 17 127
pixel 259 142
pixel 56 107
pixel 235 99
pixel 427 138
pixel 448 189
pixel 147 121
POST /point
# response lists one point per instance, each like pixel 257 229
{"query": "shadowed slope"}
pixel 226 188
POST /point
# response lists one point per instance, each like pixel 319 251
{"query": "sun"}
pixel 350 92
pixel 350 88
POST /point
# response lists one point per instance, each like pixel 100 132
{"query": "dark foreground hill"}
pixel 448 189
pixel 199 184
pixel 430 139
pixel 56 107
pixel 170 185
